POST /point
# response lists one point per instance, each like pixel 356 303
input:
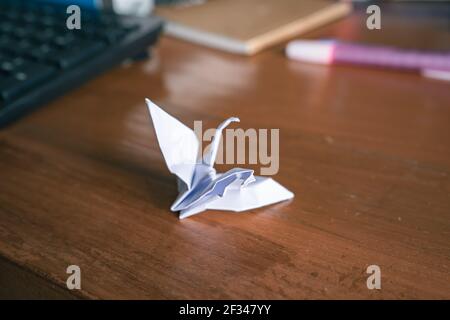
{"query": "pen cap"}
pixel 311 51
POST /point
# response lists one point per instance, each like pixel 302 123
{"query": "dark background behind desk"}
pixel 367 153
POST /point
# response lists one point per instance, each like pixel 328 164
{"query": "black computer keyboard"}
pixel 40 58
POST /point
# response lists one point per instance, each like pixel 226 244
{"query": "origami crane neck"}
pixel 210 157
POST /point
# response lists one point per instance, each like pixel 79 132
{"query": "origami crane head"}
pixel 200 186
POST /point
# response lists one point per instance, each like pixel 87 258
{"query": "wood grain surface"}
pixel 366 152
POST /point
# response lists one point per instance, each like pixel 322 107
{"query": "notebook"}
pixel 248 26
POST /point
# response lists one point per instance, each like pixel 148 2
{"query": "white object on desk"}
pixel 200 186
pixel 133 7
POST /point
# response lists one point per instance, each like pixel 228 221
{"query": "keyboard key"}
pixel 6 43
pixel 22 32
pixel 82 50
pixel 64 40
pixel 6 27
pixel 5 55
pixel 46 35
pixel 48 21
pixel 23 47
pixel 27 76
pixel 40 53
pixel 112 36
pixel 7 67
pixel 30 17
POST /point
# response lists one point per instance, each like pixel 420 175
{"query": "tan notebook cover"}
pixel 248 26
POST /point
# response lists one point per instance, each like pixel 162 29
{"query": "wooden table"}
pixel 366 152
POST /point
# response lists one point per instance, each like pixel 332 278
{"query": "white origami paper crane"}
pixel 200 186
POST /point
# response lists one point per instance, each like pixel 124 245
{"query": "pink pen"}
pixel 334 52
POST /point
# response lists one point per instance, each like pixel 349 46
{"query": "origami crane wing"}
pixel 262 192
pixel 209 188
pixel 179 144
pixel 240 197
